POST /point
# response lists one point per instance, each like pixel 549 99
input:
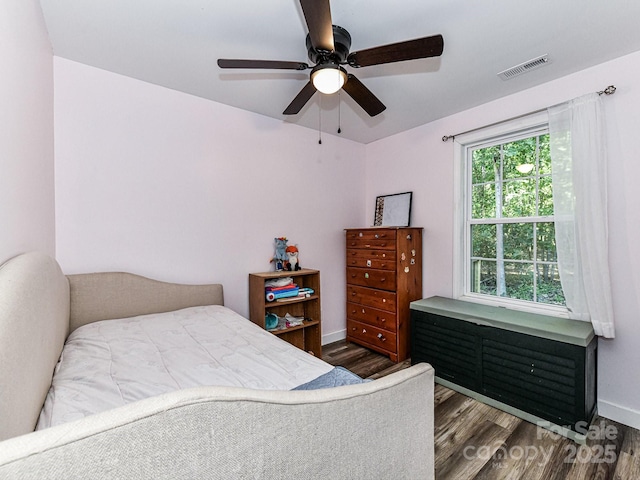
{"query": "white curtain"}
pixel 579 169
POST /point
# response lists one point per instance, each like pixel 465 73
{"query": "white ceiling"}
pixel 175 43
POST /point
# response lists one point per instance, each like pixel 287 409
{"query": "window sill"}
pixel 516 305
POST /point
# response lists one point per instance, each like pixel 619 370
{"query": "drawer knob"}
pixel 382 337
pixel 364 330
pixel 382 279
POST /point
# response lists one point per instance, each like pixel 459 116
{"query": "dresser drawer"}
pixel 380 299
pixel 372 316
pixel 373 336
pixel 380 259
pixel 372 239
pixel 367 277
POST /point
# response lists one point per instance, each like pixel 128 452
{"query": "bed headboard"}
pixel 40 306
pixel 34 321
pixel 107 295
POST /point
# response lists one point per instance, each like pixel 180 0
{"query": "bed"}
pixel 161 380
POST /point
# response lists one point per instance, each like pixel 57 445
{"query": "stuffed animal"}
pixel 280 258
pixel 292 258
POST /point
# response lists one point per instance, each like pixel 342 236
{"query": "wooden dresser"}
pixel 384 274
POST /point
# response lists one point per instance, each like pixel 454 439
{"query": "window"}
pixel 507 243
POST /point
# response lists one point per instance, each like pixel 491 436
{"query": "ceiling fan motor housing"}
pixel 342 44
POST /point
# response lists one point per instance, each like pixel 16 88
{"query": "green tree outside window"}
pixel 511 229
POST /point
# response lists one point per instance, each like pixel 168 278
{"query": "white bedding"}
pixel 114 362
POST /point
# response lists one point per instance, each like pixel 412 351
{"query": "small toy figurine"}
pixel 292 258
pixel 280 258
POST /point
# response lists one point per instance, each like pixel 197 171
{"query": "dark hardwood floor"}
pixel 474 441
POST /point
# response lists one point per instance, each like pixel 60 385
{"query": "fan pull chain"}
pixel 339 111
pixel 320 120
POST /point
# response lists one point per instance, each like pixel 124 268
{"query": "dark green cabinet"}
pixel 543 366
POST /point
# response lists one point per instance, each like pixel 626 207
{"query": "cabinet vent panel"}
pixel 451 353
pixel 449 358
pixel 522 351
pixel 448 335
pixel 531 368
pixel 456 343
pixel 556 412
pixel 531 387
pixel 540 381
pixel 451 343
pixel 525 397
pixel 440 351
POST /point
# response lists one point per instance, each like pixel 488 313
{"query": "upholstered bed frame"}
pixel 380 429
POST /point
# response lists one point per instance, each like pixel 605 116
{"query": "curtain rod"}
pixel 610 90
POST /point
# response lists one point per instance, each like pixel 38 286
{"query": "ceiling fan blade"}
pixel 398 52
pixel 275 64
pixel 363 96
pixel 317 13
pixel 301 99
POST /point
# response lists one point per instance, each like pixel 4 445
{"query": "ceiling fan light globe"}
pixel 329 79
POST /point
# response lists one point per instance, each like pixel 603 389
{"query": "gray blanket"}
pixel 337 377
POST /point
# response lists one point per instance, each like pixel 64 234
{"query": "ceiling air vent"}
pixel 524 67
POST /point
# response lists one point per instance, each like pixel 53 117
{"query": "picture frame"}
pixel 393 210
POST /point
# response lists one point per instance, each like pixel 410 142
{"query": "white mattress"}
pixel 114 362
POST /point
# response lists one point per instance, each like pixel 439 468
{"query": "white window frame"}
pixel 521 127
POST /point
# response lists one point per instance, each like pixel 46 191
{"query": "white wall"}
pixel 425 166
pixel 26 131
pixel 178 188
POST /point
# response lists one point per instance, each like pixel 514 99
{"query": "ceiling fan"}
pixel 328 48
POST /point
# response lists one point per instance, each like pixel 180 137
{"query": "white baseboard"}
pixel 624 415
pixel 334 336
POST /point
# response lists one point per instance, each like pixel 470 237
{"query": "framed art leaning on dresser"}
pixel 384 275
pixel 393 210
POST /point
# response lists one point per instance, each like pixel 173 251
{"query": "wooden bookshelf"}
pixel 307 336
